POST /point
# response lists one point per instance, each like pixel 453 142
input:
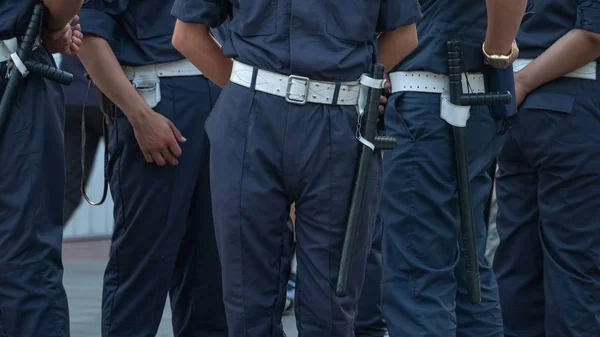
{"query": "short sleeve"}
pixel 394 14
pixel 100 17
pixel 208 12
pixel 588 15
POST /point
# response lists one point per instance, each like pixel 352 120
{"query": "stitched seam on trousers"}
pixel 244 163
pixel 122 215
pixel 414 287
pixel 172 173
pixel 330 213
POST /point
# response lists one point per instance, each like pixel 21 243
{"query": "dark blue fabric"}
pixel 15 16
pixel 445 20
pixel 266 154
pixel 551 19
pixel 502 81
pixel 33 302
pixel 75 94
pixel 291 37
pixel 163 240
pixel 548 192
pixel 423 288
pixel 369 321
pixel 139 31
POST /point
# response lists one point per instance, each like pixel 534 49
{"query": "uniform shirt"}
pixel 138 31
pixel 551 19
pixel 14 17
pixel 444 20
pixel 331 40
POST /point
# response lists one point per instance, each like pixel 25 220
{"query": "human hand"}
pixel 158 138
pixel 66 40
pixel 383 99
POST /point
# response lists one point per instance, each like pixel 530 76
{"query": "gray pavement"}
pixel 84 268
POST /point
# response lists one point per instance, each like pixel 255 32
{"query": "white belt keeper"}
pixel 366 82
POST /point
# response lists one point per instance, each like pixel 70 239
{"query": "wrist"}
pixel 500 60
pixel 497 49
pixel 137 113
pixel 524 81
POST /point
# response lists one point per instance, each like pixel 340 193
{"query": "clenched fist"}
pixel 66 40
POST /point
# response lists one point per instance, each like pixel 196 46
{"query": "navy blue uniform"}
pixel 33 301
pixel 548 189
pixel 267 153
pixel 163 240
pixel 424 289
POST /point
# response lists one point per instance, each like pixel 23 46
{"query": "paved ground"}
pixel 84 267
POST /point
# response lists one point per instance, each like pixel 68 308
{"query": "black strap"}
pixel 105 136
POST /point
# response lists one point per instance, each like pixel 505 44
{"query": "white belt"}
pixel 587 72
pixel 295 89
pixel 8 47
pixel 171 69
pixel 423 81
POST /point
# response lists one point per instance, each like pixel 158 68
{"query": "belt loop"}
pixel 254 75
pixel 336 93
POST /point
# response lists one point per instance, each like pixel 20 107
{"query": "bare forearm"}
pixel 106 72
pixel 61 12
pixel 574 50
pixel 195 43
pixel 504 19
pixel 394 46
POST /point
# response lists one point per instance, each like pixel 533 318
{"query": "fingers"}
pixel 74 20
pixel 382 103
pixel 176 132
pixel 169 157
pixel 148 157
pixel 158 158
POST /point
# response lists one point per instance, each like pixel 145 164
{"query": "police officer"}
pixel 271 146
pixel 163 242
pixel 33 301
pixel 424 290
pixel 548 260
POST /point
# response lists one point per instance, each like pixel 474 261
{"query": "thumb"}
pixel 176 132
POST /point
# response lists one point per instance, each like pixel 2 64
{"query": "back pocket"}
pixel 352 20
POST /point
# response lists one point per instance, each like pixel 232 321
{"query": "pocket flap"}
pixel 549 101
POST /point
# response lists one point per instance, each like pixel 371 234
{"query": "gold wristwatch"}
pixel 499 61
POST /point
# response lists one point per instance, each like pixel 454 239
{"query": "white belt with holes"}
pixel 172 69
pixel 8 47
pixel 295 89
pixel 423 81
pixel 587 72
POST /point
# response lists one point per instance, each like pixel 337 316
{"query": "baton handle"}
pixel 358 191
pixel 457 97
pixel 53 74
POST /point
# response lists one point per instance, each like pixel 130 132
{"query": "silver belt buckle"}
pixel 290 82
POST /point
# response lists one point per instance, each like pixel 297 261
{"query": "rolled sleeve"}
pixel 588 16
pixel 397 13
pixel 208 12
pixel 100 17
